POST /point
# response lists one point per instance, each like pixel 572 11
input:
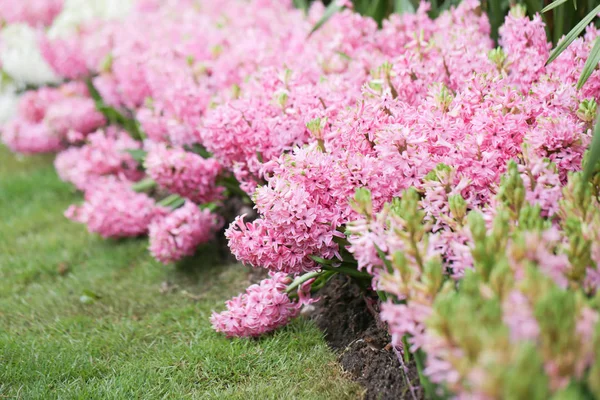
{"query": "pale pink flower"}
pixel 112 209
pixel 263 308
pixel 184 173
pixel 179 233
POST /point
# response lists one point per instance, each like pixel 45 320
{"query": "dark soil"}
pixel 348 319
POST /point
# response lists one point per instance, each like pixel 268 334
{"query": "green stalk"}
pixel 212 207
pixel 233 186
pixel 342 269
pixel 406 352
pixel 321 280
pixel 144 185
pixel 172 201
pixel 301 279
pixel 425 382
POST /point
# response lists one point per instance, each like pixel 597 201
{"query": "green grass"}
pixel 85 318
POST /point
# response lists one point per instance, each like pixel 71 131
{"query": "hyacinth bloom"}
pixel 64 56
pixel 37 13
pixel 519 317
pixel 263 308
pixel 405 125
pixel 104 153
pixel 20 55
pixel 50 118
pixel 113 210
pixel 184 173
pixel 179 233
pixel 497 233
pixel 513 292
pixel 26 138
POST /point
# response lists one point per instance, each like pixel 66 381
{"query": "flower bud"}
pixel 587 110
pixel 458 206
pixel 498 57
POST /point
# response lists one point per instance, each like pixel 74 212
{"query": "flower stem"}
pixel 172 201
pixel 347 270
pixel 301 279
pixel 144 185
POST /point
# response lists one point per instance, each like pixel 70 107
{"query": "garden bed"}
pixel 437 159
pixel 362 343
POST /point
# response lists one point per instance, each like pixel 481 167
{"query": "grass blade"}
pixel 333 8
pixel 553 5
pixel 573 34
pixel 594 150
pixel 590 64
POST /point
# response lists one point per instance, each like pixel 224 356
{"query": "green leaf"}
pixel 301 4
pixel 434 7
pixel 445 6
pixel 320 260
pixel 173 201
pixel 594 150
pixel 560 25
pixel 383 257
pixel 198 149
pixel 209 206
pixel 378 10
pixel 404 7
pixel 93 92
pixel 330 11
pixel 573 34
pixel 114 116
pixel 428 386
pixel 144 185
pixel 553 5
pixel 138 155
pixel 590 64
pixel 496 15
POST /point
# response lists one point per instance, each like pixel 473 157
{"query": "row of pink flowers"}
pixel 304 121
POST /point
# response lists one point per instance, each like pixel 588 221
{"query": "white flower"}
pixel 8 101
pixel 21 57
pixel 76 12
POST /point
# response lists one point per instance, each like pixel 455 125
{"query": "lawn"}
pixel 82 317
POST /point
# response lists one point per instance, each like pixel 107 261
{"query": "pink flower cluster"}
pixel 303 204
pixel 520 271
pixel 303 121
pixel 103 153
pixel 262 309
pixel 439 98
pixel 50 118
pixel 37 13
pixel 113 209
pixel 184 173
pixel 179 233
